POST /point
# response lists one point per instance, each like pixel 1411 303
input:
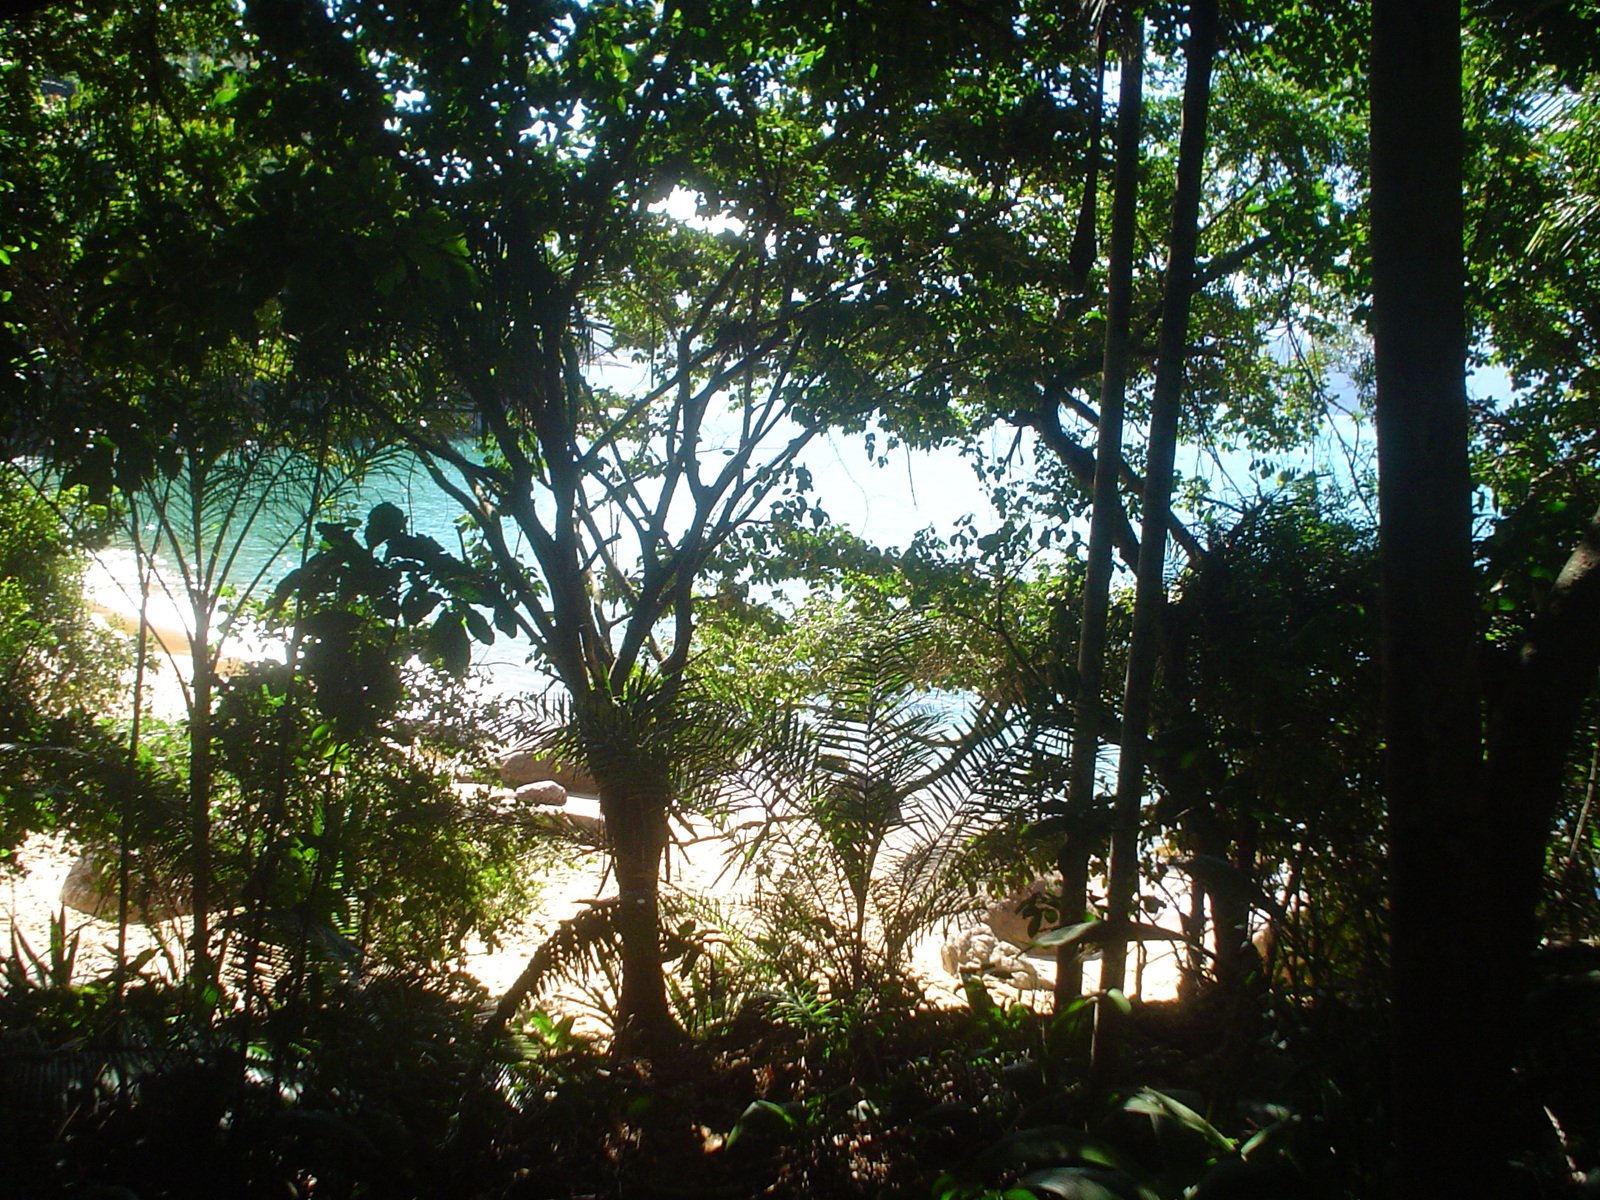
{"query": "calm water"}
pixel 264 549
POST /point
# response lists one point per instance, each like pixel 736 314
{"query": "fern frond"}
pixel 672 738
pixel 577 946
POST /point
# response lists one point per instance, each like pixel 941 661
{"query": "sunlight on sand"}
pixel 698 866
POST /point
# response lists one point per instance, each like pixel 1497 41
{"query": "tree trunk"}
pixel 637 828
pixel 200 769
pixel 1084 237
pixel 1192 972
pixel 129 804
pixel 200 812
pixel 1238 964
pixel 1450 1051
pixel 1078 844
pixel 1172 355
pixel 1535 705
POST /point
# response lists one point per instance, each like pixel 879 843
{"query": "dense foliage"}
pixel 602 277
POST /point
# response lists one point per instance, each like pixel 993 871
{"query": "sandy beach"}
pixel 697 866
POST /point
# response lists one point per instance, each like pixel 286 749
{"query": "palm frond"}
pixel 578 945
pixel 676 741
pixel 53 1082
pixel 884 802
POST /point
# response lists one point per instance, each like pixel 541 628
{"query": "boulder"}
pixel 977 951
pixel 522 767
pixel 91 887
pixel 1009 923
pixel 546 792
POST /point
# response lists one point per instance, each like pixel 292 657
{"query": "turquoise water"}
pixel 885 506
pixel 262 542
pixel 257 520
pixel 504 666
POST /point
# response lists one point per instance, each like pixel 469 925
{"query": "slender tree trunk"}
pixel 131 791
pixel 1231 846
pixel 858 928
pixel 1450 1031
pixel 1084 237
pixel 200 810
pixel 1194 933
pixel 1079 841
pixel 1191 771
pixel 1122 884
pixel 200 770
pixel 1238 964
pixel 1150 594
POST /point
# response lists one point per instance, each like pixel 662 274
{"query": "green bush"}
pixel 58 668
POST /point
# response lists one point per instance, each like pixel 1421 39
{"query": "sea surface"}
pixel 250 548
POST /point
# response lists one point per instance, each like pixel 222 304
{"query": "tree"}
pixel 142 363
pixel 1166 405
pixel 1472 790
pixel 1082 834
pixel 58 669
pixel 1530 113
pixel 1010 333
pixel 1450 1025
pixel 1265 741
pixel 644 380
pixel 241 480
pixel 873 786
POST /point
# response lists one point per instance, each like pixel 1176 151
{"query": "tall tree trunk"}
pixel 131 790
pixel 1172 352
pixel 1079 842
pixel 1081 261
pixel 1450 1031
pixel 200 770
pixel 200 809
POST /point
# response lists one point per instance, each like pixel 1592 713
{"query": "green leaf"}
pixel 1163 1109
pixel 1045 1146
pixel 478 626
pixel 1068 935
pixel 418 603
pixel 505 620
pixel 1271 1139
pixel 978 997
pixel 764 1116
pixel 383 522
pixel 1098 933
pixel 447 643
pixel 1086 1183
pixel 142 959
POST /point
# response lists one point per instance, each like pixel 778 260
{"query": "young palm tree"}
pixel 873 800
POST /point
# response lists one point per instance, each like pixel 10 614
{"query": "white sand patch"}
pixel 112 591
pixel 30 900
